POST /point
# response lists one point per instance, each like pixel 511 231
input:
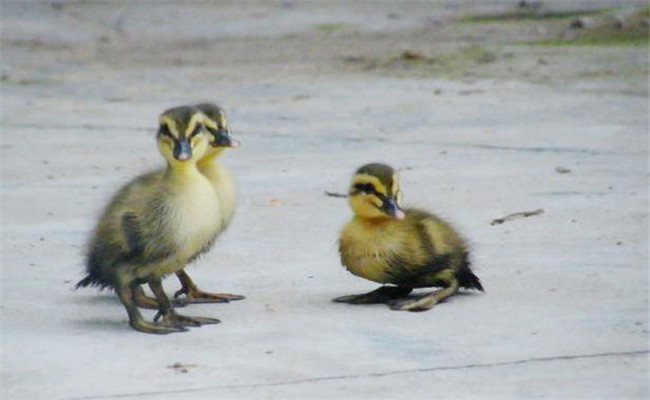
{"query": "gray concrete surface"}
pixel 565 313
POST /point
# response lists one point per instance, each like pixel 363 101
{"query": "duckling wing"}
pixel 404 273
pixel 144 245
pixel 429 245
pixel 132 233
pixel 440 249
pixel 131 228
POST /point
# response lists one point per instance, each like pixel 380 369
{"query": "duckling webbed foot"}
pixel 427 301
pixel 171 318
pixel 135 318
pixel 156 328
pixel 378 296
pixel 194 295
pixel 167 313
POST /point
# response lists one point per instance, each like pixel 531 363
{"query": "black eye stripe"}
pixel 164 131
pixel 368 188
pixel 196 131
pixel 365 187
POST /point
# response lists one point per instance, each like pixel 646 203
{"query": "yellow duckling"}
pixel 217 127
pixel 158 223
pixel 407 249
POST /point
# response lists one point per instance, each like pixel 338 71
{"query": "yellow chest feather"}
pixel 367 247
pixel 222 182
pixel 195 216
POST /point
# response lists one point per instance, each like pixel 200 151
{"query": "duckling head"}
pixel 217 127
pixel 181 135
pixel 375 192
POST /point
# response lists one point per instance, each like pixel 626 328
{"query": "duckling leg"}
pixel 169 316
pixel 135 318
pixel 194 295
pixel 428 301
pixel 377 296
pixel 142 300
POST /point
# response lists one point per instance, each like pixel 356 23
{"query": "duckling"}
pixel 158 223
pixel 405 248
pixel 217 127
pixel 218 131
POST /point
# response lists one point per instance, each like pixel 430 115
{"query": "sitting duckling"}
pixel 216 126
pixel 406 248
pixel 158 223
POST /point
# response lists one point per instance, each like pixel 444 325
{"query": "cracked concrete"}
pixel 215 391
pixel 565 313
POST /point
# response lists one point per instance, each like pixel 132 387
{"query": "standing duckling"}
pixel 221 180
pixel 158 223
pixel 216 126
pixel 407 249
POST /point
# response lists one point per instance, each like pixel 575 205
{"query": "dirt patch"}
pixel 526 41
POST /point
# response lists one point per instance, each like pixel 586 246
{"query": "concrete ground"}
pixel 481 124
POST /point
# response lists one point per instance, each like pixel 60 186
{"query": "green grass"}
pixel 456 63
pixel 603 37
pixel 331 27
pixel 529 15
pixel 469 55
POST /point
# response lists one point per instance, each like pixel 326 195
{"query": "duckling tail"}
pixel 467 279
pixel 91 280
pixel 85 282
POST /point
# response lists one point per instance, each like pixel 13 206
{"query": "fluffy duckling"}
pixel 217 127
pixel 407 249
pixel 158 223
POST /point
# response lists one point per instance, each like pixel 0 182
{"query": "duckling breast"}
pixel 195 217
pixel 367 248
pixel 224 185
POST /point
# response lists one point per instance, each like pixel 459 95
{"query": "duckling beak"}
pixel 183 150
pixel 391 208
pixel 222 138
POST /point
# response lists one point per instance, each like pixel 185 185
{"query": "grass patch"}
pixel 528 15
pixel 603 37
pixel 331 27
pixel 472 55
pixel 412 63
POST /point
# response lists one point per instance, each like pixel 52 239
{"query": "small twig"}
pixel 334 194
pixel 516 215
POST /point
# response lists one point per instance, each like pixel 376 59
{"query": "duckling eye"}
pixel 164 131
pixel 196 130
pixel 366 188
pixel 165 136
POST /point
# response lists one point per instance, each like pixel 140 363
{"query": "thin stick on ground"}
pixel 334 194
pixel 523 214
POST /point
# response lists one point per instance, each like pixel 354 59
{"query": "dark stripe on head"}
pixel 179 120
pixel 214 113
pixel 381 171
pixel 368 188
